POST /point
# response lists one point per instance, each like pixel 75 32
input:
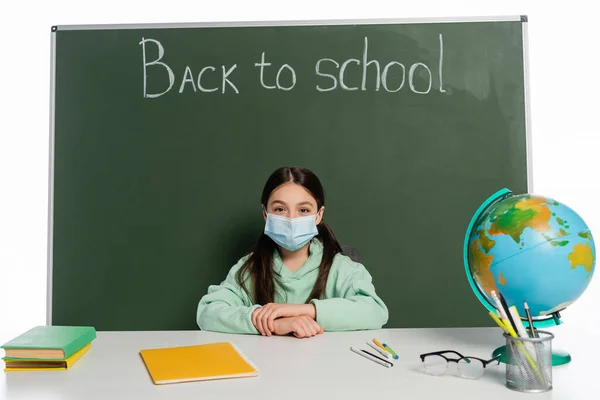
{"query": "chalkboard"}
pixel 164 135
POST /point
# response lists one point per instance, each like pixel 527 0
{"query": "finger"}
pixel 254 318
pixel 265 323
pixel 264 318
pixel 271 320
pixel 310 324
pixel 308 329
pixel 267 320
pixel 268 309
pixel 314 329
pixel 299 332
pixel 254 314
pixel 319 328
pixel 298 329
pixel 259 324
pixel 314 324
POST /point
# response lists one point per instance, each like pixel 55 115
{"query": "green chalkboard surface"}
pixel 164 135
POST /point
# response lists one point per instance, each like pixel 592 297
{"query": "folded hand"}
pixel 301 327
pixel 263 318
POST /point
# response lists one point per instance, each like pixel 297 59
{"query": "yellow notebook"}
pixel 45 365
pixel 197 363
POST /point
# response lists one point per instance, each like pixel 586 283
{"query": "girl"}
pixel 296 279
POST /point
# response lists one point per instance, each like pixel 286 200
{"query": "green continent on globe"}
pixel 511 218
pixel 585 235
pixel 481 262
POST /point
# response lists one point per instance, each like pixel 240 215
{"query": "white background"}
pixel 564 62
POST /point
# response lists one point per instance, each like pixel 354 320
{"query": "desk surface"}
pixel 322 367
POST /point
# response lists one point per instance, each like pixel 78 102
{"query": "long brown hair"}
pixel 259 264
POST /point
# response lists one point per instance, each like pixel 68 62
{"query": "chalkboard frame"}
pixel 234 24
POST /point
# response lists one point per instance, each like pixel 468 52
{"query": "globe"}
pixel 530 249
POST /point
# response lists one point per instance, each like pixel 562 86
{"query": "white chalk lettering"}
pixel 279 85
pixel 441 64
pixel 161 53
pixel 391 78
pixel 262 66
pixel 366 65
pixel 343 69
pixel 226 80
pixel 202 88
pixel 317 69
pixel 385 74
pixel 187 77
pixel 411 74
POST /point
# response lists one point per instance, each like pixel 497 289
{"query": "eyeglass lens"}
pixel 435 365
pixel 470 368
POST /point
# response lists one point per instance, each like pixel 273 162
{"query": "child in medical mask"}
pixel 296 279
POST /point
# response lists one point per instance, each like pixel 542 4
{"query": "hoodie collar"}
pixel 315 253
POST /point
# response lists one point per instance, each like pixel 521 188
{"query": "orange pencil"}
pixel 380 345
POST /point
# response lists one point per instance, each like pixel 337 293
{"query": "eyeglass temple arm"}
pixel 497 358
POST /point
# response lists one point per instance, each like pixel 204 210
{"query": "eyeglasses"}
pixel 469 367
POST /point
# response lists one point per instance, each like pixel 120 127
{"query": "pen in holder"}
pixel 529 362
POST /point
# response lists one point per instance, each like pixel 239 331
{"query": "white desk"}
pixel 322 367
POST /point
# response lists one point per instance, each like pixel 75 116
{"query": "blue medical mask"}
pixel 291 233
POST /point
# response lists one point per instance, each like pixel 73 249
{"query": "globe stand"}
pixel 558 357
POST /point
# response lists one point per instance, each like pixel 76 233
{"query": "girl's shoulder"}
pixel 345 263
pixel 235 268
pixel 345 271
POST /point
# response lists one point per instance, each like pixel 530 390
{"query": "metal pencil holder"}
pixel 529 362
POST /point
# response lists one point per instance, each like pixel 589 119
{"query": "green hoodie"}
pixel 349 303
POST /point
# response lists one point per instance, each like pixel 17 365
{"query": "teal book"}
pixel 49 342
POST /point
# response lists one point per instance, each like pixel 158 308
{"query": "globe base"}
pixel 558 357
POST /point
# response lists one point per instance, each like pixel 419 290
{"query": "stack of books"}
pixel 49 347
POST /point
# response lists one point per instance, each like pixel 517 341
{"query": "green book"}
pixel 49 342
